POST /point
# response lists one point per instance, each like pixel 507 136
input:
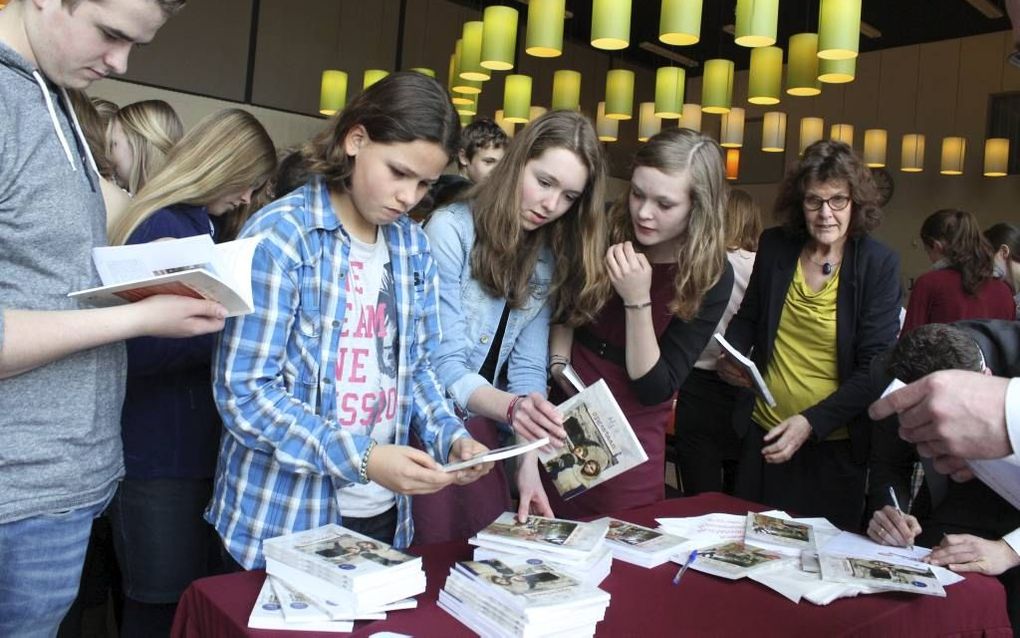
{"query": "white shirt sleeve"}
pixel 1013 414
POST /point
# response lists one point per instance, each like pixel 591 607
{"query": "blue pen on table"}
pixel 896 504
pixel 683 568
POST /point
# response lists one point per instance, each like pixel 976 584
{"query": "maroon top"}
pixel 648 401
pixel 938 297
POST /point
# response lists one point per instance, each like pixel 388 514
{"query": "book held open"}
pixel 191 267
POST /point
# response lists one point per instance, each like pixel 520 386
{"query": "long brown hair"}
pixel 226 152
pixel 504 255
pixel 743 221
pixel 701 254
pixel 963 246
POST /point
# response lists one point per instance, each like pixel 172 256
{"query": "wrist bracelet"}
pixel 363 468
pixel 513 408
pixel 637 306
pixel 557 360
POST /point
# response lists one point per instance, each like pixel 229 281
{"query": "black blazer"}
pixel 867 322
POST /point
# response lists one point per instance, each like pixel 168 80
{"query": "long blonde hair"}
pixel 151 128
pixel 226 152
pixel 504 255
pixel 701 253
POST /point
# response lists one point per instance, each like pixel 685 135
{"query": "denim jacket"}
pixel 283 455
pixel 470 315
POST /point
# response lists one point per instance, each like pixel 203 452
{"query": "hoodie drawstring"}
pixel 77 129
pixel 53 118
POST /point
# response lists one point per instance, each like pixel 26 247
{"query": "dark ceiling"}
pixel 901 23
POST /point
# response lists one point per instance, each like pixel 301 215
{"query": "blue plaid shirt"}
pixel 283 455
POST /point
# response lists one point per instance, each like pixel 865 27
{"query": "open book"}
pixel 749 367
pixel 600 442
pixel 192 267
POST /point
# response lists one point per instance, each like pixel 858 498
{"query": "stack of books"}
pixel 329 574
pixel 640 545
pixel 522 600
pixel 573 548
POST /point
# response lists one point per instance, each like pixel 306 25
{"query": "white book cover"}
pixel 310 603
pixel 600 442
pixel 779 534
pixel 749 367
pixel 497 455
pixel 394 587
pixel 528 589
pixel 552 535
pixel 190 267
pixel 268 614
pixel 735 560
pixel 485 620
pixel 642 545
pixel 576 562
pixel 868 572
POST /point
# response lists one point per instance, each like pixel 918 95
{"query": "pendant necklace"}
pixel 827 266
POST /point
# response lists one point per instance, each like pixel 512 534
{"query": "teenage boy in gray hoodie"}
pixel 61 367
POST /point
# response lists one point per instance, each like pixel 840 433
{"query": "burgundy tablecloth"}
pixel 645 603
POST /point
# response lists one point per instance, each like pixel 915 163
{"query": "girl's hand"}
pixel 405 470
pixel 534 417
pixel 533 499
pixel 630 273
pixel 466 448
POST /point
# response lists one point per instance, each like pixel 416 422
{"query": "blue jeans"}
pixel 40 566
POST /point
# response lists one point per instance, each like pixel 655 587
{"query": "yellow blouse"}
pixel 803 369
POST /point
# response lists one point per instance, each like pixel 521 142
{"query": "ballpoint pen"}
pixel 896 504
pixel 683 568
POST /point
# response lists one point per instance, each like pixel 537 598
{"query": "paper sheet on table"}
pixel 847 544
pixel 707 529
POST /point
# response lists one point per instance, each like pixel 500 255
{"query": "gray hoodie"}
pixel 60 423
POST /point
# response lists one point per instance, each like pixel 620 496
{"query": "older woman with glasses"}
pixel 823 299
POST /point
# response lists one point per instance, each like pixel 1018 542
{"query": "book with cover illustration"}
pixel 600 442
pixel 735 560
pixel 553 535
pixel 529 590
pixel 641 545
pixel 346 559
pixel 593 571
pixel 868 572
pixel 190 267
pixel 268 614
pixel 749 367
pixel 497 455
pixel 779 534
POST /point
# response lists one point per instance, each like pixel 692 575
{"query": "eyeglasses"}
pixel 836 202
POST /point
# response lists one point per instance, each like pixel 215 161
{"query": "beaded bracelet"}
pixel 512 408
pixel 363 468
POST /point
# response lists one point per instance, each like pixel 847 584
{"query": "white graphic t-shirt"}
pixel 366 367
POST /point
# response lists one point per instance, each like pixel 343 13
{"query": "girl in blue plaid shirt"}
pixel 321 385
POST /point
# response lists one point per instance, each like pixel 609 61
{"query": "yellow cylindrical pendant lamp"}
pixel 837 71
pixel 996 157
pixel 680 22
pixel 717 86
pixel 773 132
pixel 731 131
pixel 648 123
pixel 756 23
pixel 812 129
pixel 468 109
pixel 839 29
pixel 333 92
pixel 499 37
pixel 460 99
pixel 508 127
pixel 517 98
pixel 690 117
pixel 732 163
pixel 842 133
pixel 372 76
pixel 610 24
pixel 620 94
pixel 424 70
pixel 765 79
pixel 566 91
pixel 467 87
pixel 471 52
pixel 912 153
pixel 669 91
pixel 544 38
pixel 459 84
pixel 607 129
pixel 875 142
pixel 802 65
pixel 465 118
pixel 954 151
